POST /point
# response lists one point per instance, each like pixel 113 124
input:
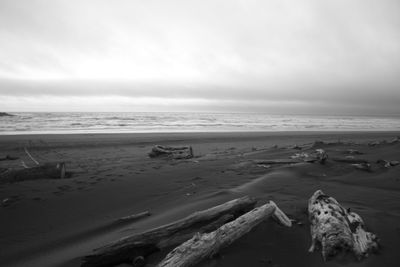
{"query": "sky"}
pixel 279 57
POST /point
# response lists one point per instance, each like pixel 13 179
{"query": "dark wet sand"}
pixel 54 222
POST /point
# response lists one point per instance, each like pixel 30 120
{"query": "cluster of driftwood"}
pixel 183 152
pixel 38 171
pixel 337 230
pixel 319 155
pixel 202 234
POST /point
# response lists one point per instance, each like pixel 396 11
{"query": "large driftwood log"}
pixel 45 171
pixel 144 244
pixel 337 229
pixel 203 246
pixel 184 152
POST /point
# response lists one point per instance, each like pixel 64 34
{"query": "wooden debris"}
pixel 363 166
pixel 203 246
pixel 387 164
pixel 30 156
pixel 8 157
pixel 319 155
pixel 350 159
pixel 276 161
pixel 394 163
pixel 336 229
pixel 45 171
pixel 144 244
pixel 353 152
pixel 134 217
pixel 184 152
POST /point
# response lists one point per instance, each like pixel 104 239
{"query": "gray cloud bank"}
pixel 296 56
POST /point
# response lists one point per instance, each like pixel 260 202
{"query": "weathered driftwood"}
pixel 363 166
pixel 337 229
pixel 203 246
pixel 319 155
pixel 350 159
pixel 144 244
pixel 386 163
pixel 30 156
pixel 45 171
pixel 8 157
pixel 184 152
pixel 134 217
pixel 353 152
pixel 276 161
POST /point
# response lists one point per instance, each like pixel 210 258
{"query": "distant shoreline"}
pixel 211 132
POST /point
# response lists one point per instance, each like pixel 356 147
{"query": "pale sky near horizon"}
pixel 324 57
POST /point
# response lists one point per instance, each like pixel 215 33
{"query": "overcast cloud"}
pixel 331 57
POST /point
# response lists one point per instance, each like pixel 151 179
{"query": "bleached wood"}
pixel 350 160
pixel 336 229
pixel 144 244
pixel 277 161
pixel 203 246
pixel 183 152
pixel 30 156
pixel 134 217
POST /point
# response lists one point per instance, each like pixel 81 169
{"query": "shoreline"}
pixel 198 132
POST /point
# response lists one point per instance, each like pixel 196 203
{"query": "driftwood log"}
pixel 203 246
pixel 45 171
pixel 350 159
pixel 336 229
pixel 277 161
pixel 133 217
pixel 183 152
pixel 319 155
pixel 8 157
pixel 139 245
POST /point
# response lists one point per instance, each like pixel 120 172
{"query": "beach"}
pixel 55 222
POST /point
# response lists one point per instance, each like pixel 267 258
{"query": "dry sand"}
pixel 55 222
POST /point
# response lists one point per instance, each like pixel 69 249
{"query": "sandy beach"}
pixel 56 222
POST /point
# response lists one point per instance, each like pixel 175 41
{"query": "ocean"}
pixel 120 122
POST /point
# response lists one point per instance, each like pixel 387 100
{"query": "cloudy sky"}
pixel 330 57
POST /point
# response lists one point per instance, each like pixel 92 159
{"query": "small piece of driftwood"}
pixel 336 229
pixel 363 166
pixel 144 244
pixel 30 156
pixel 203 246
pixel 8 157
pixel 276 161
pixel 45 171
pixel 184 152
pixel 321 155
pixel 351 160
pixel 134 217
pixel 353 152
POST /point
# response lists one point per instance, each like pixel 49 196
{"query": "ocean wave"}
pixel 173 122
